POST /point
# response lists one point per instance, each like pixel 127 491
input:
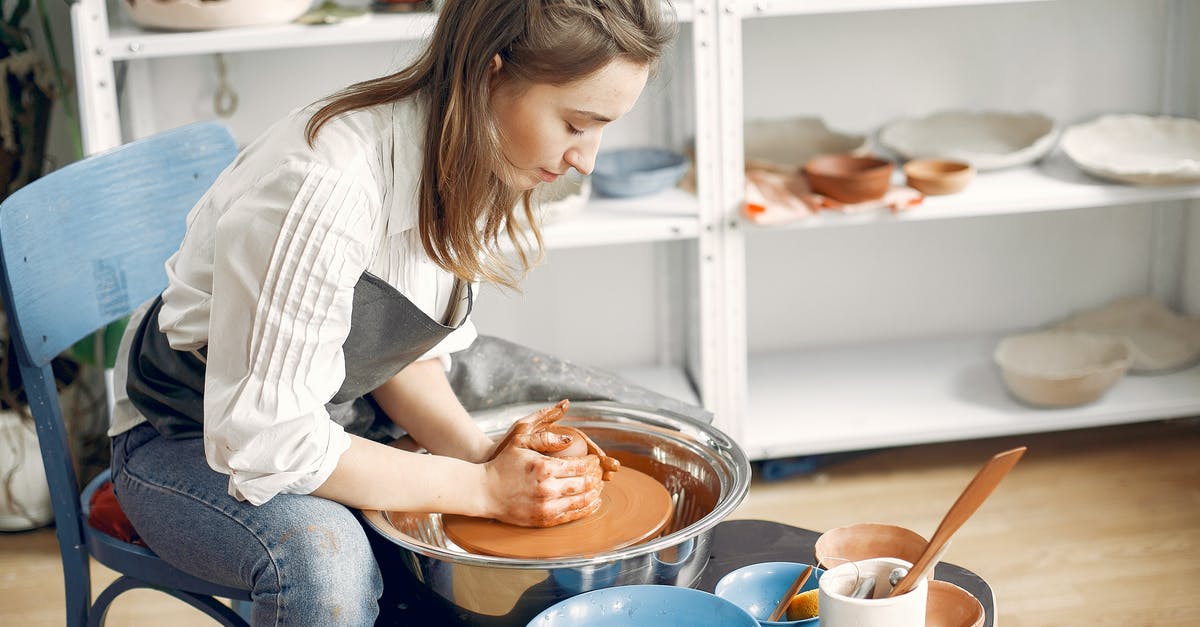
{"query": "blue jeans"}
pixel 305 559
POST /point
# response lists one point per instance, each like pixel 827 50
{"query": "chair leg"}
pixel 211 607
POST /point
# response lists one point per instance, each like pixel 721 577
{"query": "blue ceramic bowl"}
pixel 644 606
pixel 637 171
pixel 757 588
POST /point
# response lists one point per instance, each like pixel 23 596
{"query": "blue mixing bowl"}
pixel 637 171
pixel 644 606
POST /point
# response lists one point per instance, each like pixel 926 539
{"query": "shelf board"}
pixel 862 397
pixel 128 41
pixel 670 215
pixel 666 380
pixel 1055 184
pixel 771 8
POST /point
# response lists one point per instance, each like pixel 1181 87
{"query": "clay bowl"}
pixel 861 541
pixel 938 176
pixel 950 606
pixel 849 178
pixel 705 472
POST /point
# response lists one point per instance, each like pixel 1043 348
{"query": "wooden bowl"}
pixel 950 606
pixel 938 176
pixel 849 178
pixel 861 541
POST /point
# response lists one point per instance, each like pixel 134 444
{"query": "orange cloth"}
pixel 107 517
pixel 777 196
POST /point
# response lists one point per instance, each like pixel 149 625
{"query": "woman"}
pixel 326 279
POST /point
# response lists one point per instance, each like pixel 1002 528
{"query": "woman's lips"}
pixel 547 175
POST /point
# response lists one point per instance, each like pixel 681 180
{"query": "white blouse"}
pixel 265 278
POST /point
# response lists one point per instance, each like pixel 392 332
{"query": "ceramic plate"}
pixel 791 142
pixel 1161 341
pixel 201 15
pixel 988 140
pixel 1138 149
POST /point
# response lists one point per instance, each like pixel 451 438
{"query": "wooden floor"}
pixel 1096 527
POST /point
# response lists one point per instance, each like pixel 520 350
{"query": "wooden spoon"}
pixel 972 497
pixel 791 592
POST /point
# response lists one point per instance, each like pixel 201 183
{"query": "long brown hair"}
pixel 464 203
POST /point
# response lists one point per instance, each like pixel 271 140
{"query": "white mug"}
pixel 838 609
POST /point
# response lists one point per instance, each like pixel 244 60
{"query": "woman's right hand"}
pixel 524 487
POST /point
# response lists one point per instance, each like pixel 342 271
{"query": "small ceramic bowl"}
pixel 632 172
pixel 938 176
pixel 849 178
pixel 1062 368
pixel 757 588
pixel 947 605
pixel 860 541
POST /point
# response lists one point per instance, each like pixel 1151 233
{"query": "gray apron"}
pixel 387 332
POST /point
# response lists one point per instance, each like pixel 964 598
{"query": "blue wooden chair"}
pixel 82 247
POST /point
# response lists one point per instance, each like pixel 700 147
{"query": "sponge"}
pixel 803 606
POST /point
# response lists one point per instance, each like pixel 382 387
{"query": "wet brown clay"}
pixel 634 508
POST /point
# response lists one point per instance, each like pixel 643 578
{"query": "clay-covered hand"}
pixel 538 432
pixel 526 488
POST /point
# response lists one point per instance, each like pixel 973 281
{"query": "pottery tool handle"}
pixel 972 497
pixel 791 592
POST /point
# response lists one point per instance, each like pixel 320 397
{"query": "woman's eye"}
pixel 574 131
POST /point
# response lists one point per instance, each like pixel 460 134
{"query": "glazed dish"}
pixel 1140 149
pixel 792 142
pixel 849 178
pixel 988 140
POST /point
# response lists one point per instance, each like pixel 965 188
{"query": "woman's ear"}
pixel 494 68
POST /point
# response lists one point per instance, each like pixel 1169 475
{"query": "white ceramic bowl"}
pixel 793 141
pixel 1140 149
pixel 1061 368
pixel 988 140
pixel 212 14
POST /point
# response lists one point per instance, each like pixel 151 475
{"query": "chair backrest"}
pixel 84 246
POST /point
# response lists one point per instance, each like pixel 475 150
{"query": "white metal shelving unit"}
pixel 863 396
pixel 104 39
pixel 790 400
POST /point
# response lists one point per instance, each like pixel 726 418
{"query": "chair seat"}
pixel 126 557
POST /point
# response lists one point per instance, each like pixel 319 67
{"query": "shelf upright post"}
pixel 720 334
pixel 95 84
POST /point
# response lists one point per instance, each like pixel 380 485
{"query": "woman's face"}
pixel 547 129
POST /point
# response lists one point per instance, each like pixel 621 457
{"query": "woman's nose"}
pixel 582 159
pixel 582 156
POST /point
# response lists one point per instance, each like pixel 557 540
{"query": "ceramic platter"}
pixel 1161 340
pixel 634 507
pixel 988 140
pixel 202 15
pixel 793 141
pixel 1139 149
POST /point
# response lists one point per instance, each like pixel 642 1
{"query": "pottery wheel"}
pixel 634 507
